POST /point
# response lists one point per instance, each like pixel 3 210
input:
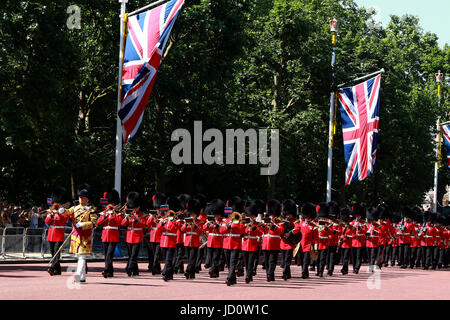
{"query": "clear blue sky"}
pixel 434 15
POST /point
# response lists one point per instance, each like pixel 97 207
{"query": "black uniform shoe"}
pixel 57 273
pixel 247 280
pixel 329 273
pixel 192 276
pixel 186 275
pixel 356 271
pixel 129 273
pixel 110 275
pixel 51 272
pixel 165 278
pixel 385 265
pixel 269 279
pixel 104 274
pixel 221 268
pixel 228 282
pixel 344 272
pixel 304 276
pixel 312 269
pixel 240 273
pixel 207 266
pixel 284 277
pixel 254 273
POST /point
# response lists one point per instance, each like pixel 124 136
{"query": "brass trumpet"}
pixel 236 217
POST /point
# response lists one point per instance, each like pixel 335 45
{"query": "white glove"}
pixel 61 210
pixel 78 225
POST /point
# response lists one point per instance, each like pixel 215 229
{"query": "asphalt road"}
pixel 31 281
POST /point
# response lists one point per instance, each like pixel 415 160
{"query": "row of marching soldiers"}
pixel 237 232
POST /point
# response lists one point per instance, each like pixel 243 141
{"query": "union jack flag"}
pixel 147 36
pixel 446 134
pixel 360 111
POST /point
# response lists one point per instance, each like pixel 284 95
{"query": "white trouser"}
pixel 81 267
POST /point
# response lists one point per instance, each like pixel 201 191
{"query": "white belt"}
pixel 413 237
pixel 349 237
pixel 215 234
pixel 438 236
pixel 192 233
pixel 153 228
pixel 250 237
pixel 373 236
pixel 169 234
pixel 323 237
pixel 134 229
pixel 271 236
pixel 233 235
pixel 112 228
pixel 57 227
pixel 427 236
pixel 404 234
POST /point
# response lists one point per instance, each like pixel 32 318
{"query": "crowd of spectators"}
pixel 14 215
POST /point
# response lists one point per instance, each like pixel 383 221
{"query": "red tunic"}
pixel 56 227
pixel 135 230
pixel 359 236
pixel 284 245
pixel 415 239
pixel 215 238
pixel 404 233
pixel 427 238
pixel 250 239
pixel 323 236
pixel 226 237
pixel 155 235
pixel 346 238
pixel 373 235
pixel 110 223
pixel 309 235
pixel 169 233
pixel 334 235
pixel 192 234
pixel 272 237
pixel 233 236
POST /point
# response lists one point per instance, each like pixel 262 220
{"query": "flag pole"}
pixel 439 78
pixel 334 30
pixel 118 166
pixel 362 78
pixel 146 7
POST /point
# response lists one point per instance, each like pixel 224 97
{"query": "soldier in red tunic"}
pixel 323 229
pixel 345 240
pixel 426 234
pixel 135 224
pixel 404 233
pixel 359 236
pixel 179 205
pixel 289 212
pixel 272 238
pixel 169 227
pixel 334 234
pixel 192 230
pixel 110 220
pixel 250 240
pixel 415 239
pixel 234 228
pixel 56 222
pixel 202 250
pixel 158 200
pixel 373 236
pixel 215 210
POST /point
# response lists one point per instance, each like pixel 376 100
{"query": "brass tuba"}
pixel 236 217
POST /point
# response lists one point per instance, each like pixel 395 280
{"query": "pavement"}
pixel 31 281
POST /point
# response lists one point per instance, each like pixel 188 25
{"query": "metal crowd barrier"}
pixel 22 243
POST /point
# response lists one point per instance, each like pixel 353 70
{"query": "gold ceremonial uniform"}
pixel 81 239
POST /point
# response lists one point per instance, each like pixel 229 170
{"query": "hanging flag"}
pixel 147 36
pixel 360 111
pixel 446 134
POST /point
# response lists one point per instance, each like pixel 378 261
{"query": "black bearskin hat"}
pixel 133 200
pixel 237 204
pixel 334 209
pixel 183 199
pixel 216 206
pixel 252 208
pixel 372 213
pixel 289 207
pixel 59 195
pixel 174 203
pixel 322 210
pixel 158 200
pixel 113 197
pixel 308 210
pixel 358 210
pixel 194 205
pixel 274 207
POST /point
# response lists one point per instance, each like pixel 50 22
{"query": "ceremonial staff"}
pixel 439 77
pixel 332 124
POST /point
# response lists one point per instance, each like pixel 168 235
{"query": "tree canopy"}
pixel 231 64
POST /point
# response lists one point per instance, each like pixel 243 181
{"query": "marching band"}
pixel 314 236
